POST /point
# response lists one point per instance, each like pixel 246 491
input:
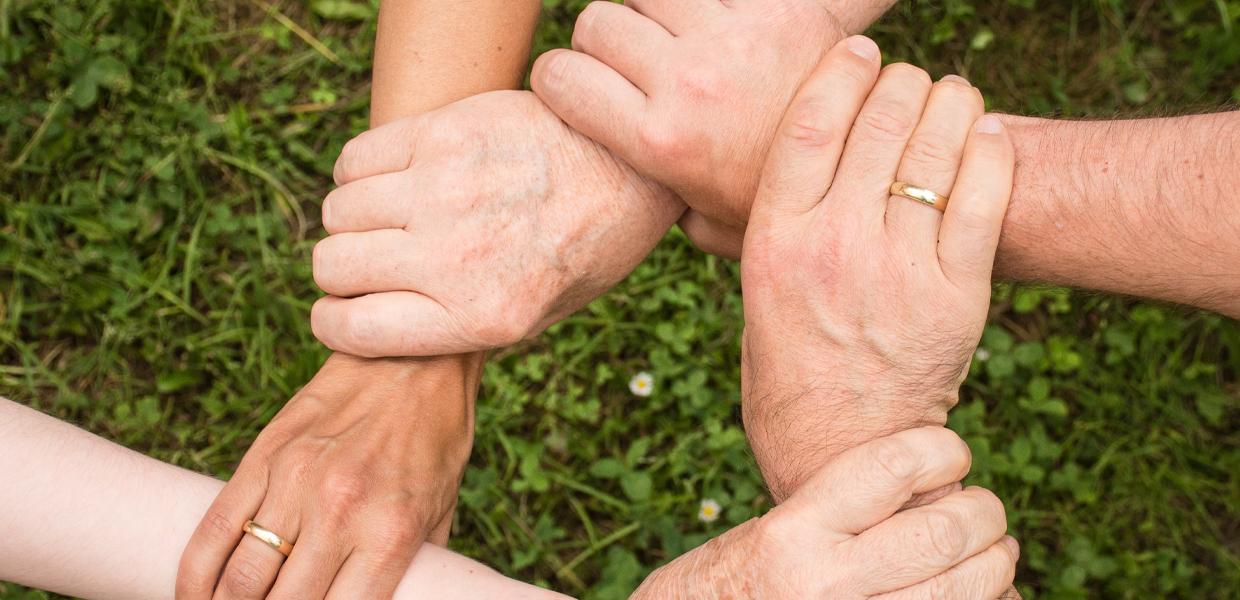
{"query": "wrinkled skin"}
pixel 474 227
pixel 690 93
pixel 863 309
pixel 840 536
pixel 356 470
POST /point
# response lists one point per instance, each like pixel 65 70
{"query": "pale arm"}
pixel 85 517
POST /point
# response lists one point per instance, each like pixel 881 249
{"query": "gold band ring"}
pixel 919 194
pixel 269 538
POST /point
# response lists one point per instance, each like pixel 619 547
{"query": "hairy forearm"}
pixel 723 567
pixel 1141 207
pixel 85 517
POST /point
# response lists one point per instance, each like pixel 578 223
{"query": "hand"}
pixel 863 309
pixel 690 92
pixel 840 537
pixel 357 470
pixel 474 227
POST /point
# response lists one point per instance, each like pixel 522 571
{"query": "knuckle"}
pixel 1007 568
pixel 243 579
pixel 554 69
pixel 886 120
pixel 905 71
pixel 961 91
pixel 973 220
pixel 298 464
pixel 933 151
pixel 320 263
pixel 327 213
pixel 346 164
pixel 993 148
pixel 945 538
pixel 895 459
pixel 661 143
pixel 700 84
pixel 812 123
pixel 402 532
pixel 341 171
pixel 939 589
pixel 509 323
pixel 585 21
pixel 990 507
pixel 451 130
pixel 360 329
pixel 344 490
pixel 217 526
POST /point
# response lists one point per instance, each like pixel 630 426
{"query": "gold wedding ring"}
pixel 919 194
pixel 269 538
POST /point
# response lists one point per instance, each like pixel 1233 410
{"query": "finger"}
pixel 594 99
pixel 969 234
pixel 254 565
pixel 918 544
pixel 311 568
pixel 353 264
pixel 367 204
pixel 1010 594
pixel 801 164
pixel 865 485
pixel 985 576
pixel 439 535
pixel 619 37
pixel 878 140
pixel 219 532
pixel 371 576
pixel 678 16
pixel 712 237
pixel 932 495
pixel 397 324
pixel 385 149
pixel 932 159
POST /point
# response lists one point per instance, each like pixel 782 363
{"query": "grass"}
pixel 161 164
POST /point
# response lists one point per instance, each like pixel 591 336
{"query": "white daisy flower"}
pixel 709 511
pixel 642 384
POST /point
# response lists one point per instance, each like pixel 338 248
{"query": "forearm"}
pixel 431 54
pixel 85 517
pixel 723 567
pixel 1141 207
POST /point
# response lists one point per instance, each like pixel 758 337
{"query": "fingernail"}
pixel 957 79
pixel 1012 546
pixel 863 46
pixel 988 124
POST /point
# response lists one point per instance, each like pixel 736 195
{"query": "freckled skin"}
pixel 512 217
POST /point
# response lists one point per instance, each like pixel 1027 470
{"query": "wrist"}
pixel 453 376
pixel 430 400
pixel 728 566
pixel 794 432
